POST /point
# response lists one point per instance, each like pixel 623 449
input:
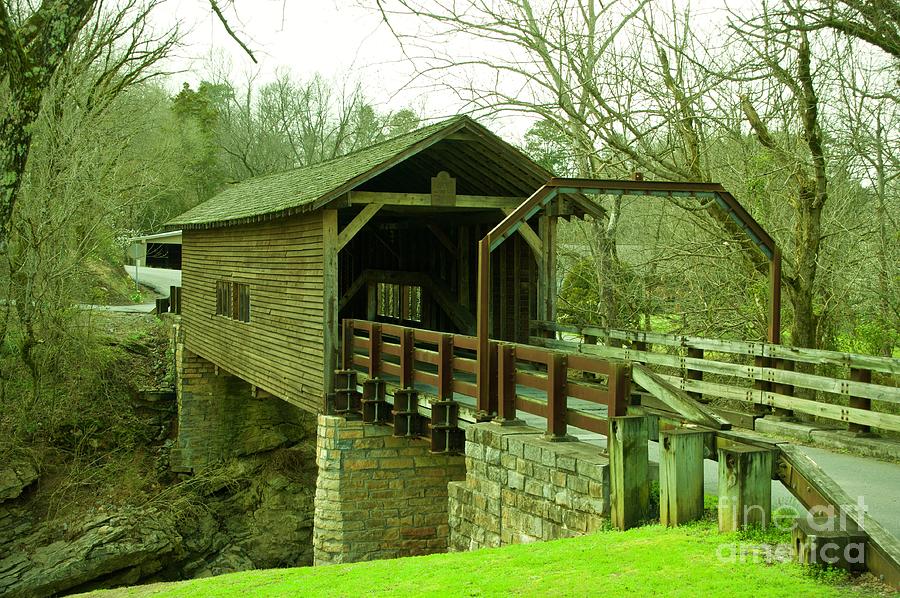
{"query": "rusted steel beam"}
pixel 483 325
pixel 774 335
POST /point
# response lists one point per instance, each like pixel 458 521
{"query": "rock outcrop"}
pixel 252 512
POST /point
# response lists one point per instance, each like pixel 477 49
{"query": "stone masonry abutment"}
pixel 220 415
pixel 520 488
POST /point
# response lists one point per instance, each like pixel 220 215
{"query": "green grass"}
pixel 641 562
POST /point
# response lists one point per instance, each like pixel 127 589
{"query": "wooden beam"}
pixel 442 237
pixel 356 224
pixel 529 235
pixel 676 399
pixel 353 290
pixel 424 199
pixel 546 307
pixel 463 267
pixel 588 206
pixel 816 490
pixel 330 306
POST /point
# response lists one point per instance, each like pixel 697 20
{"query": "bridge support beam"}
pixel 745 488
pixel 629 475
pixel 681 476
pixel 378 496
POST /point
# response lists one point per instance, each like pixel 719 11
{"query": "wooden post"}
pixel 680 476
pixel 506 382
pixel 619 386
pixel 407 358
pixel 483 308
pixel 589 339
pixel 860 375
pixel 347 345
pixel 556 396
pixel 745 488
pixel 628 471
pixel 375 351
pixel 329 296
pixel 371 301
pixel 463 267
pixel 546 298
pixel 694 374
pixel 445 367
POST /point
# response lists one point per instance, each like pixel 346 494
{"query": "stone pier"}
pixel 221 416
pixel 378 496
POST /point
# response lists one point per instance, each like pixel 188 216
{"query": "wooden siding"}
pixel 281 349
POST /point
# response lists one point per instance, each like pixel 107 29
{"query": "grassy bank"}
pixel 641 562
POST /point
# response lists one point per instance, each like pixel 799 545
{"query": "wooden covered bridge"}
pixel 412 284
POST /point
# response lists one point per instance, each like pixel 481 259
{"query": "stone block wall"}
pixel 378 496
pixel 219 415
pixel 522 488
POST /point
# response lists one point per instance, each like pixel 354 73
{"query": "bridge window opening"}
pixel 399 302
pixel 233 300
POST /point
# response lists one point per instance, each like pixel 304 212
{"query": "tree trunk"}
pixel 807 239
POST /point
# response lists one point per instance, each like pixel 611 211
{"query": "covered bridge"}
pixel 388 233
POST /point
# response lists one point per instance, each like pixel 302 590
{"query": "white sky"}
pixel 333 38
pixel 304 37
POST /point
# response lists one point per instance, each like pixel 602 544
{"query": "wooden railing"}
pixel 740 378
pixel 525 378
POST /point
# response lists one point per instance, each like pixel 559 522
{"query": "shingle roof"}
pixel 304 188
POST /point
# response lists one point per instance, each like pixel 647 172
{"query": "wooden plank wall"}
pixel 280 350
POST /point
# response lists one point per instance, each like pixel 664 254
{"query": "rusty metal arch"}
pixel 557 186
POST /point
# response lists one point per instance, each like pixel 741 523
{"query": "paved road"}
pixel 140 308
pixel 158 279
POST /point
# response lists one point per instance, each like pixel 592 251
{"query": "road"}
pixel 158 279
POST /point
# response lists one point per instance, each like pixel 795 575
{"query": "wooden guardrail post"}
pixel 619 386
pixel 681 476
pixel 860 375
pixel 375 351
pixel 445 367
pixel 761 385
pixel 506 383
pixel 589 339
pixel 694 374
pixel 629 466
pixel 556 396
pixel 745 488
pixel 407 358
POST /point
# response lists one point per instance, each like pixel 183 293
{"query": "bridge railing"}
pixel 750 372
pixel 526 378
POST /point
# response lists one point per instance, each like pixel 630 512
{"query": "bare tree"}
pixel 34 43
